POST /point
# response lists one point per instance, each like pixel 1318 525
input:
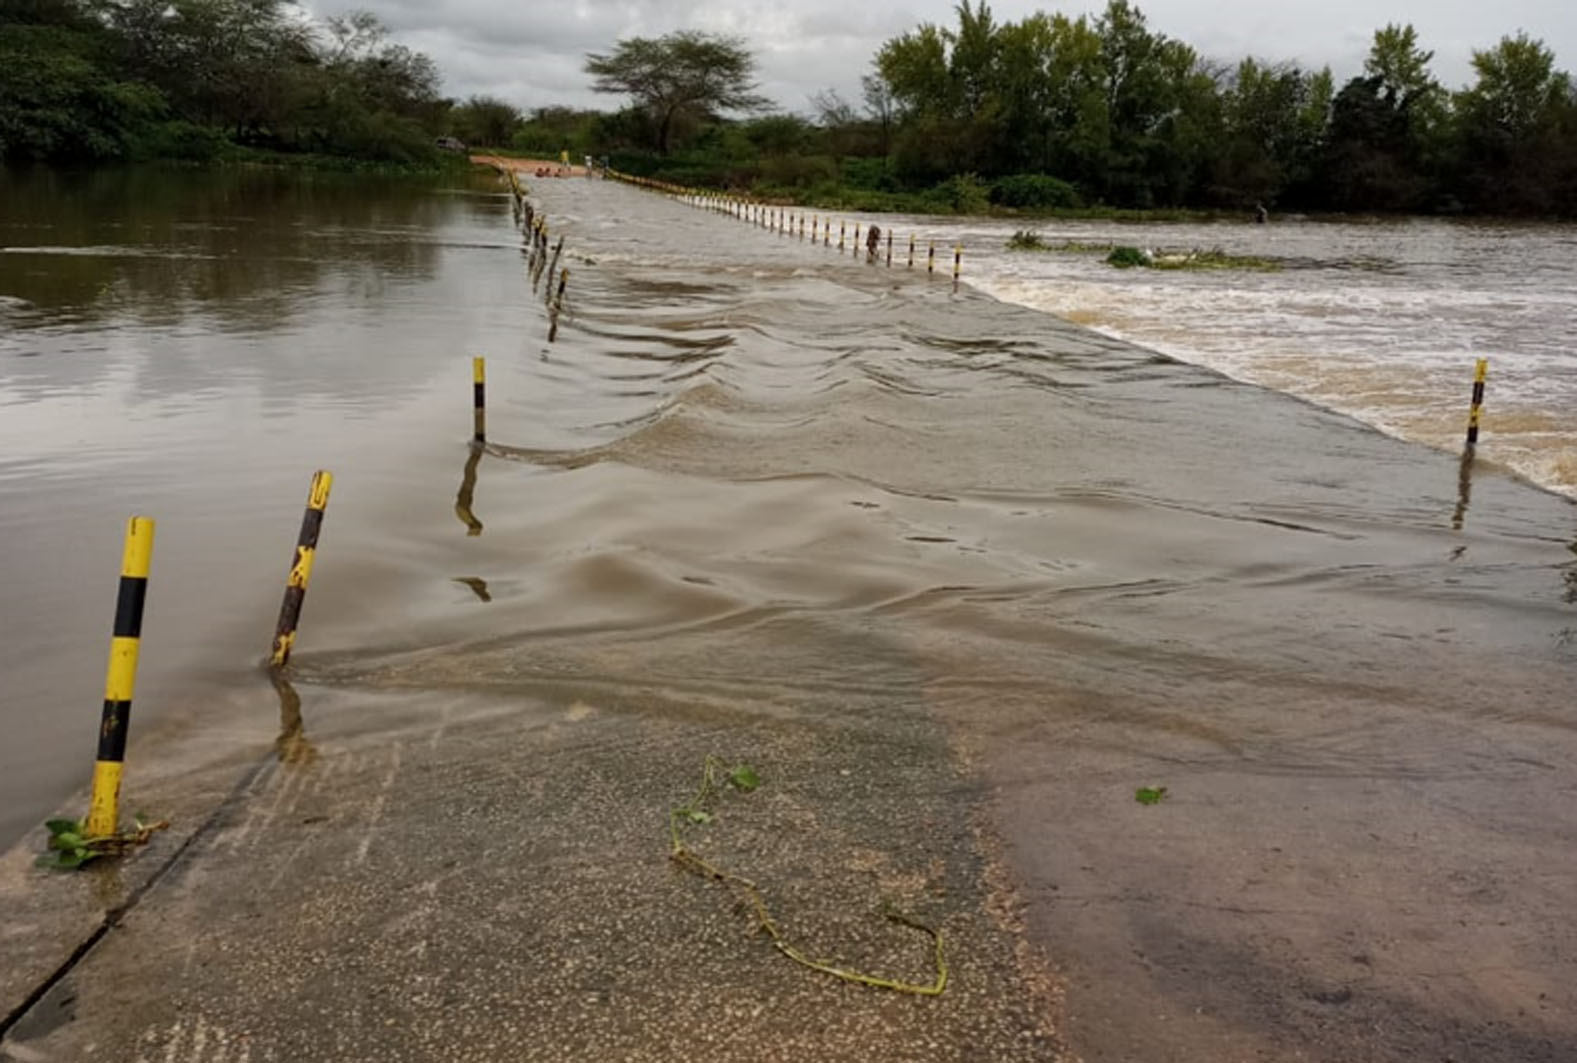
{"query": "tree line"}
pixel 97 80
pixel 1053 111
pixel 1047 111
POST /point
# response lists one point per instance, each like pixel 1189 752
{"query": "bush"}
pixel 386 137
pixel 963 194
pixel 1026 240
pixel 798 171
pixel 1127 257
pixel 183 141
pixel 1034 190
pixel 871 173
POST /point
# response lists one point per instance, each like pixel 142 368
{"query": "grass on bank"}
pixel 437 165
pixel 1125 257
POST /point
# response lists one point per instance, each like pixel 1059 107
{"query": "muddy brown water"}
pixel 1351 660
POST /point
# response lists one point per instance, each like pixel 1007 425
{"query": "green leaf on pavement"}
pixel 745 778
pixel 1150 795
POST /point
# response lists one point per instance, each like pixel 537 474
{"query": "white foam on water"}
pixel 1380 322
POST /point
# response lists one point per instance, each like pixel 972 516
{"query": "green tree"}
pixel 485 120
pixel 1402 66
pixel 61 96
pixel 1157 99
pixel 1518 90
pixel 1517 148
pixel 1273 122
pixel 684 75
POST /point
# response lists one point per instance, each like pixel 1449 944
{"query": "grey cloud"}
pixel 531 52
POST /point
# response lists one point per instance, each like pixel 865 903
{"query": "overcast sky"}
pixel 530 52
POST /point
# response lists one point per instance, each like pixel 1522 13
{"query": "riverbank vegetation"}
pixel 1047 115
pixel 1052 114
pixel 92 81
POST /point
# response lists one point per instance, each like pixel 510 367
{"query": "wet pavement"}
pixel 496 885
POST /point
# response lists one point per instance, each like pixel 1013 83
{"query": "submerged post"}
pixel 479 400
pixel 558 307
pixel 301 569
pixel 842 228
pixel 1480 376
pixel 911 250
pixel 930 258
pixel 558 250
pixel 958 261
pixel 889 249
pixel 120 679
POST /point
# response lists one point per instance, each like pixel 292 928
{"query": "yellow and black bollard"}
pixel 1476 413
pixel 558 307
pixel 911 250
pixel 120 679
pixel 802 228
pixel 553 265
pixel 842 227
pixel 301 569
pixel 855 250
pixel 930 258
pixel 889 249
pixel 479 400
pixel 958 262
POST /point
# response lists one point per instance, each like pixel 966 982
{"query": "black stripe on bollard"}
pixel 1476 413
pixel 479 400
pixel 120 679
pixel 301 569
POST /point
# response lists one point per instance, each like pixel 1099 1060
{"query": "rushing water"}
pixel 1380 320
pixel 752 472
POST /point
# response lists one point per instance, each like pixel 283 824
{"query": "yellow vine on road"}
pixel 687 858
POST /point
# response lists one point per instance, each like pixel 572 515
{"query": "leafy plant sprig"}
pixel 70 846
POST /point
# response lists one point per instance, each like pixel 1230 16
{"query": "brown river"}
pixel 1207 531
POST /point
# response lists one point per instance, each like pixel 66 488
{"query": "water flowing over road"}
pixel 755 477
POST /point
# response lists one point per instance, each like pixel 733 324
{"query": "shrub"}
pixel 1034 190
pixel 798 171
pixel 1127 258
pixel 1026 240
pixel 872 173
pixel 962 194
pixel 181 140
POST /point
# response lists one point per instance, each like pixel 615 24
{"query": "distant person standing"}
pixel 872 239
pixel 1261 215
pixel 564 161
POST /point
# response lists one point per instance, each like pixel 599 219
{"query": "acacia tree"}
pixel 688 74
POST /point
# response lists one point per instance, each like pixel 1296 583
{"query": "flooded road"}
pixel 1381 320
pixel 757 477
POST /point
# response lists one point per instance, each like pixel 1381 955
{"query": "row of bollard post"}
pixel 540 261
pixel 788 222
pixel 775 218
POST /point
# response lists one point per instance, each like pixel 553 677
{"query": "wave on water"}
pixel 1393 347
